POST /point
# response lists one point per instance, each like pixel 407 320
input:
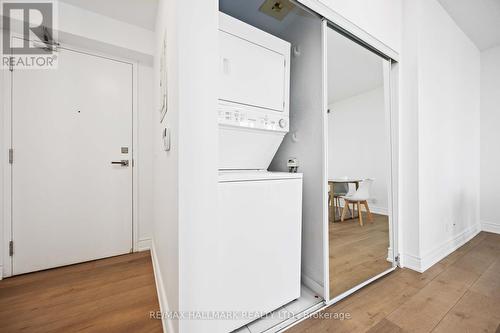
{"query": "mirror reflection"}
pixel 358 165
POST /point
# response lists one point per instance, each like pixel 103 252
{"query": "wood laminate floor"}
pixel 357 253
pixel 109 295
pixel 461 293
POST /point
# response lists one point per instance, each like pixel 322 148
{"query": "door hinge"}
pixel 11 248
pixel 11 155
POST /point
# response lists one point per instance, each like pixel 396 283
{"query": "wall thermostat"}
pixel 166 139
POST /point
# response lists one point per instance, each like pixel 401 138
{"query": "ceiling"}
pixel 141 13
pixel 352 69
pixel 479 19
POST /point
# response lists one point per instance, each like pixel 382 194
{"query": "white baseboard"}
pixel 421 264
pixel 373 209
pixel 490 227
pixel 440 252
pixel 162 296
pixel 144 244
pixel 379 210
pixel 410 261
pixel 311 284
pixel 1 272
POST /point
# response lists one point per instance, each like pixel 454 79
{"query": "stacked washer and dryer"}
pixel 260 212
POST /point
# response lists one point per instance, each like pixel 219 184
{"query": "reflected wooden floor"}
pixel 357 253
pixel 461 293
pixel 109 295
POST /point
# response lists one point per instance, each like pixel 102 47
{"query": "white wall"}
pixel 80 22
pixel 4 166
pixel 357 143
pixel 144 163
pixel 185 178
pixel 490 139
pixel 84 29
pixel 449 108
pixel 165 170
pixel 447 103
pixel 409 212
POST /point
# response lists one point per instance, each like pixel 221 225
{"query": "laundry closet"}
pixel 260 211
pixel 273 189
pixel 270 203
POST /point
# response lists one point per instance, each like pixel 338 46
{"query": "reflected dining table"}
pixel 332 204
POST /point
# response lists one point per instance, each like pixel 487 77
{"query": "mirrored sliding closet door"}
pixel 358 164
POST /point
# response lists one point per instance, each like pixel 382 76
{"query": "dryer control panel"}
pixel 234 114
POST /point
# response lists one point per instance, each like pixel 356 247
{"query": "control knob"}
pixel 282 123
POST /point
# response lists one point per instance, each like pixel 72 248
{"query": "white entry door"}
pixel 69 202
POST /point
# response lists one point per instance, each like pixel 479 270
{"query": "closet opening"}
pixel 252 91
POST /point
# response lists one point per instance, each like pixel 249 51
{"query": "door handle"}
pixel 122 162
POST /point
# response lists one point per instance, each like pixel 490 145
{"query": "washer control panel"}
pixel 233 114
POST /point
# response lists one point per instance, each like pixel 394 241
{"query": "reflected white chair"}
pixel 351 189
pixel 360 197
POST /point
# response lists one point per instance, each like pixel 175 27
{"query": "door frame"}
pixel 391 76
pixel 7 78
